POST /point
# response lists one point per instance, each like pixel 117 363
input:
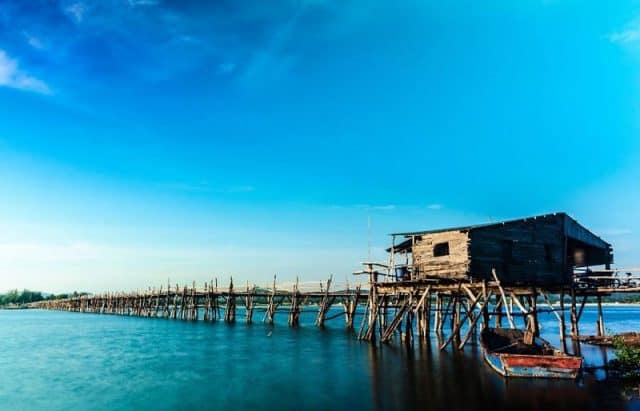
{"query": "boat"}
pixel 507 353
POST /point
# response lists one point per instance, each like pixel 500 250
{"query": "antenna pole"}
pixel 369 236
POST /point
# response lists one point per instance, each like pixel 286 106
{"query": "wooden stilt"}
pixel 271 306
pixel 485 308
pixel 408 333
pixel 437 313
pixel 395 322
pixel 498 312
pixel 600 325
pixel 294 312
pixel 504 298
pixel 534 307
pixel 248 304
pixel 456 331
pixel 563 338
pixel 352 307
pixel 230 310
pixel 485 311
pixel 325 304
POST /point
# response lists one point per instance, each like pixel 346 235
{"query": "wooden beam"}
pixel 504 298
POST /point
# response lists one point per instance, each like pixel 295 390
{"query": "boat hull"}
pixel 534 366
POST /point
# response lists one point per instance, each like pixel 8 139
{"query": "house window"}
pixel 441 249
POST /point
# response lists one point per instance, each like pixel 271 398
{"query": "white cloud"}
pixel 76 11
pixel 33 41
pixel 630 35
pixel 12 76
pixel 627 36
pixel 435 206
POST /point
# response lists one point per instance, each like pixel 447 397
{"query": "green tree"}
pixel 627 358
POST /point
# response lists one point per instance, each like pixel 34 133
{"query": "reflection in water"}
pixel 424 378
pixel 117 363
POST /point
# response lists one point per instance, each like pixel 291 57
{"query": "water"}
pixel 71 361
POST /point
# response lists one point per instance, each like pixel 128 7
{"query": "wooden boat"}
pixel 506 352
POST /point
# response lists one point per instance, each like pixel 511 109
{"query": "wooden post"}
pixel 421 311
pixel 383 314
pixel 351 307
pixel 207 303
pixel 324 305
pixel 174 314
pixel 485 311
pixel 574 314
pixel 535 326
pixel 497 308
pixel 458 321
pixel 563 338
pixel 156 308
pixel 600 324
pixel 294 312
pixel 455 334
pixel 504 298
pixel 427 314
pixel 396 321
pixel 438 314
pixel 363 322
pixel 408 333
pixel 271 307
pixel 248 302
pixel 194 303
pixel 373 306
pixel 485 308
pixel 216 301
pixel 575 331
pixel 165 308
pixel 230 310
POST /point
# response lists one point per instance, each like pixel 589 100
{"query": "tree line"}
pixel 16 297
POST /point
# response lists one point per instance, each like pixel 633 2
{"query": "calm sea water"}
pixel 72 361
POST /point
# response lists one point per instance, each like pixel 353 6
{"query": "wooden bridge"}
pixel 212 303
pixel 403 310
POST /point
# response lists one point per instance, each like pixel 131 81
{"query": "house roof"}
pixel 573 229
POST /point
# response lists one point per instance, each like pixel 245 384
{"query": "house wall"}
pixel 452 266
pixel 528 252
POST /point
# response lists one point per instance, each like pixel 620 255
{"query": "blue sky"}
pixel 141 140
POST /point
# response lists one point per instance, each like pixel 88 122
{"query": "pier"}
pixel 212 303
pixel 384 311
pixel 448 282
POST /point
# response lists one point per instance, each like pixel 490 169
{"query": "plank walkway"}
pixel 408 310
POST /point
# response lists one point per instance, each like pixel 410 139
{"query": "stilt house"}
pixel 541 250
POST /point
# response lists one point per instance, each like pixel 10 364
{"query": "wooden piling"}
pixel 230 309
pixel 600 324
pixel 248 304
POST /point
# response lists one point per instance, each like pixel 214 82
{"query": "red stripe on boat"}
pixel 541 361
